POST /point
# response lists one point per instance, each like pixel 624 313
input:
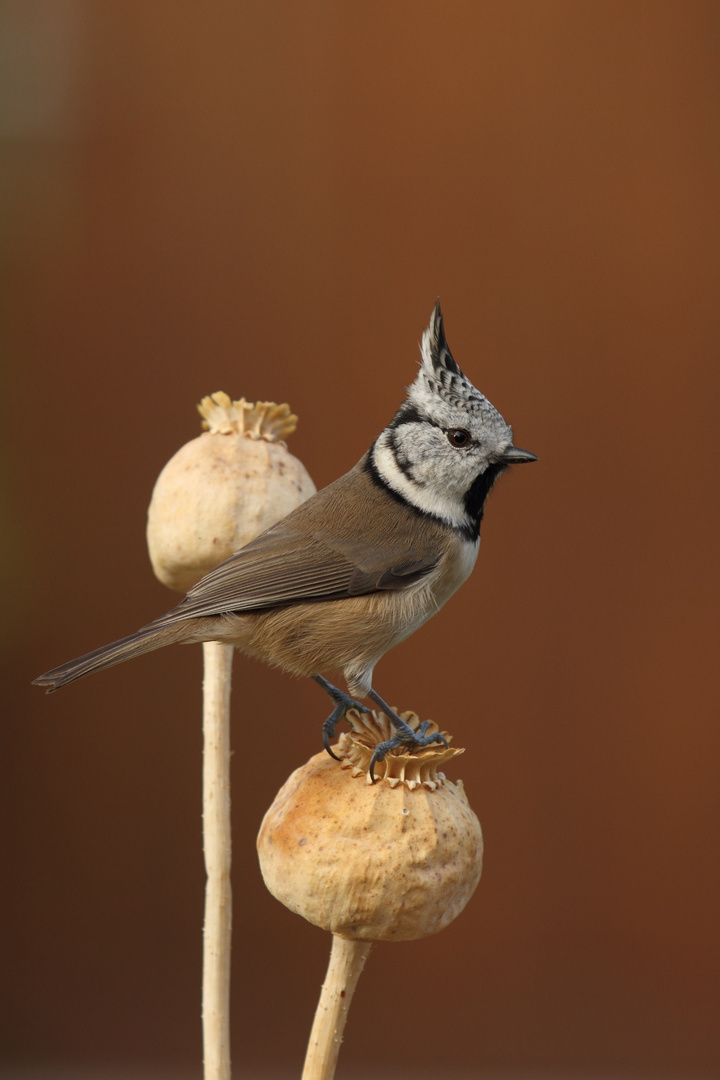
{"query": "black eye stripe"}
pixel 409 414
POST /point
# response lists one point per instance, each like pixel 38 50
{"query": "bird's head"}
pixel 447 444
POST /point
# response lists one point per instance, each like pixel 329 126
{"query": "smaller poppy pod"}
pixel 224 488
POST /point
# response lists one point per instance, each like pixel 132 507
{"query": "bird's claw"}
pixel 417 740
pixel 328 731
pixel 343 703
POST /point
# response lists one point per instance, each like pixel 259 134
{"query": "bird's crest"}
pixel 439 375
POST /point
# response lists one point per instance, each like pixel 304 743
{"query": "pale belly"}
pixel 348 635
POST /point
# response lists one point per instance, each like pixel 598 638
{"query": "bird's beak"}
pixel 515 456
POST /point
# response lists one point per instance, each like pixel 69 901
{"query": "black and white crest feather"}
pixel 440 375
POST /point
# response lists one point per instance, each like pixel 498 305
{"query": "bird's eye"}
pixel 458 436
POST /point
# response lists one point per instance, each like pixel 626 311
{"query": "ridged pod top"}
pixel 355 748
pixel 258 420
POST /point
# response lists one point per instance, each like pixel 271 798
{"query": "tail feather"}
pixel 145 640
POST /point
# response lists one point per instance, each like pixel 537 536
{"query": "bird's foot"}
pixel 404 734
pixel 343 702
pixel 410 739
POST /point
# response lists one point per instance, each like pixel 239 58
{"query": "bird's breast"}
pixel 454 568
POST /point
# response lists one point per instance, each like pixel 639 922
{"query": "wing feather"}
pixel 286 566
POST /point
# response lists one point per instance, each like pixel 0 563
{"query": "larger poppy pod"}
pixel 390 861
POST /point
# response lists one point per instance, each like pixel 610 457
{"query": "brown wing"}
pixel 286 565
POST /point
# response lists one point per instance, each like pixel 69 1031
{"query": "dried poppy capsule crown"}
pixel 223 488
pixel 390 861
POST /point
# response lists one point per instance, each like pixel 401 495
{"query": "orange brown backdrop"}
pixel 267 199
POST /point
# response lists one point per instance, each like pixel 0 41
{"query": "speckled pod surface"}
pixel 390 861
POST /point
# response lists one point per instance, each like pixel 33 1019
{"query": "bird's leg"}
pixel 343 702
pixel 404 734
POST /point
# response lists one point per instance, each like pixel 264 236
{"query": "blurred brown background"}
pixel 267 199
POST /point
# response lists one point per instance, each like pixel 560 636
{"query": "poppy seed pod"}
pixel 224 488
pixel 390 861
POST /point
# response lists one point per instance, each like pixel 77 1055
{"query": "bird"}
pixel 362 563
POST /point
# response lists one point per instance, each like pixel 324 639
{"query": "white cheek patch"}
pixel 430 500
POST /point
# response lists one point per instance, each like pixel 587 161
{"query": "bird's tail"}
pixel 145 640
